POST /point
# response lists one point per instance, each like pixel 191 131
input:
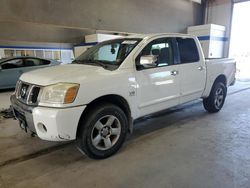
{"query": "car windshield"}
pixel 107 53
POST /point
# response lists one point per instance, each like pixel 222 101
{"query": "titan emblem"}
pixel 23 91
pixel 132 93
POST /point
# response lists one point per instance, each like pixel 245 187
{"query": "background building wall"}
pixel 64 21
pixel 220 12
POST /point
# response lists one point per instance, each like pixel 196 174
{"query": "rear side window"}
pixel 29 62
pixel 44 62
pixel 188 50
pixel 11 64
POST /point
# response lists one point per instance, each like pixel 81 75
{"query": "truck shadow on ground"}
pixel 171 118
pixel 175 117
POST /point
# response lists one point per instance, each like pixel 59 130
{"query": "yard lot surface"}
pixel 180 147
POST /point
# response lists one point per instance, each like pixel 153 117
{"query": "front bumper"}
pixel 23 113
pixel 53 124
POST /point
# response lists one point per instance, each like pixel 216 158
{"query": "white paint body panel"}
pixel 217 67
pixel 61 124
pixel 158 89
pixel 154 89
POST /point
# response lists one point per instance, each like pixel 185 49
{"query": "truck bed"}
pixel 216 67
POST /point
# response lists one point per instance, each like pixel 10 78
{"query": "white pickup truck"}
pixel 95 99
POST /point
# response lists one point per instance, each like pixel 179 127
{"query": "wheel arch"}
pixel 209 102
pixel 113 99
pixel 221 78
pixel 210 84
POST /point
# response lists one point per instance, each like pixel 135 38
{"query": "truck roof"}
pixel 159 34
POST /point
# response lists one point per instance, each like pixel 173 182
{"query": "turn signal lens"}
pixel 71 94
pixel 61 93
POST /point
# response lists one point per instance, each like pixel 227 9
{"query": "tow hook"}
pixel 33 134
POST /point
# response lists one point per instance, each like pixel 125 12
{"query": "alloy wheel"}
pixel 219 97
pixel 106 132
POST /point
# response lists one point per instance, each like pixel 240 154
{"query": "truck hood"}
pixel 72 73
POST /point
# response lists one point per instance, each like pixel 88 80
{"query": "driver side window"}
pixel 161 48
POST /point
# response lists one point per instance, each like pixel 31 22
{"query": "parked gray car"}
pixel 12 68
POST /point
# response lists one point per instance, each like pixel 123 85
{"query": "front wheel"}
pixel 216 99
pixel 103 131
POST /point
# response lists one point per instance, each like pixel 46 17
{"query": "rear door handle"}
pixel 174 72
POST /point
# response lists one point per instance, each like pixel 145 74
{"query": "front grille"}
pixel 27 93
pixel 34 94
pixel 23 92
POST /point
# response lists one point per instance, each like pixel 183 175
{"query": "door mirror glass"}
pixel 148 60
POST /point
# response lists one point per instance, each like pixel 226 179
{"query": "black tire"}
pixel 214 104
pixel 95 124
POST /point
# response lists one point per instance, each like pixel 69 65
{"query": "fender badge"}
pixel 132 93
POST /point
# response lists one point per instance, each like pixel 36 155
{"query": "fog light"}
pixel 42 127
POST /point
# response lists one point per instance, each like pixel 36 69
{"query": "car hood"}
pixel 71 73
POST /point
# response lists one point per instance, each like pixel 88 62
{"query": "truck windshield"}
pixel 107 53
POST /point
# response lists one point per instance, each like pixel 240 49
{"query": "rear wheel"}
pixel 103 131
pixel 216 99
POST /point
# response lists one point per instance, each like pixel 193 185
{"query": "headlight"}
pixel 61 93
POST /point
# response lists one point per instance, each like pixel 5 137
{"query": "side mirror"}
pixel 148 60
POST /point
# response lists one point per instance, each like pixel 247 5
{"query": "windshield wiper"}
pixel 99 63
pixel 90 61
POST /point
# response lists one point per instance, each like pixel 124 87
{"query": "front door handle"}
pixel 200 68
pixel 174 72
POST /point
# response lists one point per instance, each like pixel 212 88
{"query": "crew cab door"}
pixel 159 83
pixel 192 69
